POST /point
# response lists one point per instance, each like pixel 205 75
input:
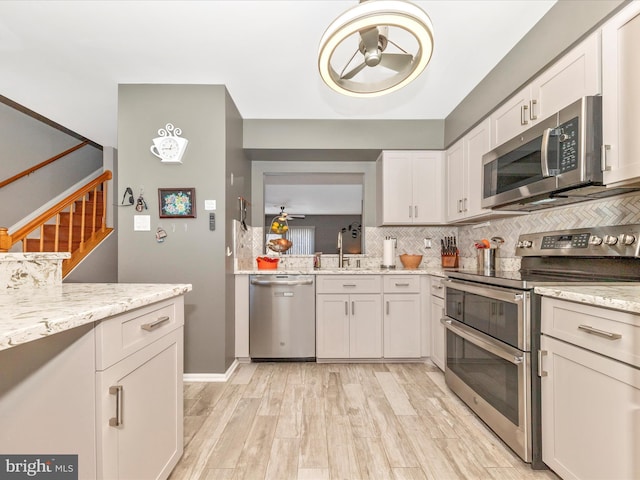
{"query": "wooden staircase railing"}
pixel 30 170
pixel 75 225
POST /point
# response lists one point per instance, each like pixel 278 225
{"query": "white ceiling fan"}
pixel 373 43
pixel 373 21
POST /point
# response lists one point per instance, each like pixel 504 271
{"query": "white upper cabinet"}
pixel 410 187
pixel 573 76
pixel 621 96
pixel 464 174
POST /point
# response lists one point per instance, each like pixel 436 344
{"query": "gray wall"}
pixel 338 140
pixel 191 253
pixel 237 184
pixel 32 141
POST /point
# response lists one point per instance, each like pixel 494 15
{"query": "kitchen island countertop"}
pixel 624 297
pixel 33 313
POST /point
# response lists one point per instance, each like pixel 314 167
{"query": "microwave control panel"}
pixel 568 145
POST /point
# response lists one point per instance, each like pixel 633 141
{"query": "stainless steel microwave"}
pixel 555 162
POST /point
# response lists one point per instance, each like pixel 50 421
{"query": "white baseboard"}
pixel 211 377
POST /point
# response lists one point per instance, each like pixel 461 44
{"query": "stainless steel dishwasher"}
pixel 282 317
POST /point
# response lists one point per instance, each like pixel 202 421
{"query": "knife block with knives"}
pixel 449 252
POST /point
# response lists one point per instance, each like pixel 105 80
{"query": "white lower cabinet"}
pixel 349 326
pixel 109 392
pixel 590 402
pixel 438 337
pixel 369 317
pixel 401 318
pixel 139 398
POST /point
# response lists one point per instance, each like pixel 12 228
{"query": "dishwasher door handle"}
pixel 284 281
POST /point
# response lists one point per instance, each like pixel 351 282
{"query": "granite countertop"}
pixel 437 271
pixel 625 297
pixel 33 313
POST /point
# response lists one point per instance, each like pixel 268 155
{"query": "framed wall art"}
pixel 177 202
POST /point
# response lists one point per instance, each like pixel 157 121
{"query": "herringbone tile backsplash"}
pixel 621 210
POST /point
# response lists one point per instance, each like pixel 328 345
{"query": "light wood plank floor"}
pixel 288 421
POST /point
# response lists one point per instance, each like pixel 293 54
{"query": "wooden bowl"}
pixel 410 262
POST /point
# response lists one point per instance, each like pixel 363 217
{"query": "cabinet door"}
pixel 402 326
pixel 147 443
pixel 365 328
pixel 395 202
pixel 437 332
pixel 476 144
pixel 590 420
pixel 455 181
pixel 428 192
pixel 572 77
pixel 621 96
pixel 511 118
pixel 332 326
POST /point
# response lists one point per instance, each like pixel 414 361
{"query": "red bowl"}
pixel 267 263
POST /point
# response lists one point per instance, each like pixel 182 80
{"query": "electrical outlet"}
pixel 427 243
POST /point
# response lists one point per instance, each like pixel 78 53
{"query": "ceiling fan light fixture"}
pixel 365 16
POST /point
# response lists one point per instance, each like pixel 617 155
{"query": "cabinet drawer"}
pixel 609 332
pixel 437 289
pixel 401 284
pixel 348 284
pixel 122 335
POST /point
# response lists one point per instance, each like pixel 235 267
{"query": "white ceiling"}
pixel 64 59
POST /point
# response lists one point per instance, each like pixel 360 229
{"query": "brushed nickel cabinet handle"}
pixel 410 211
pixel 117 391
pixel 402 284
pixel 415 211
pixel 523 115
pixel 541 372
pixel 387 308
pixel 464 204
pixel 532 112
pixel 346 308
pixel 353 308
pixel 349 285
pixel 603 158
pixel 600 333
pixel 155 324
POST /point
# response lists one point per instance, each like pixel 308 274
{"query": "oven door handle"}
pixel 510 296
pixel 506 352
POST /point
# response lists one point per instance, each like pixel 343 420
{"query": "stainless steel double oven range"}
pixel 492 321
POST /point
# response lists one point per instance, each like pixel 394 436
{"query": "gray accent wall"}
pixel 338 140
pixel 32 141
pixel 191 253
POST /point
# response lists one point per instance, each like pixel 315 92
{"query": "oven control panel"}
pixel 605 241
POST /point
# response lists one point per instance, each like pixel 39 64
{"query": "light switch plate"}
pixel 209 204
pixel 142 223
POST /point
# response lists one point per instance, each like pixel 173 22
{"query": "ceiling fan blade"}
pixel 353 72
pixel 396 61
pixel 370 39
